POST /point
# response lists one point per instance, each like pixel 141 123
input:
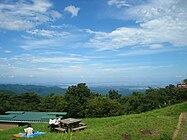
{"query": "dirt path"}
pixel 185 123
pixel 182 119
pixel 7 126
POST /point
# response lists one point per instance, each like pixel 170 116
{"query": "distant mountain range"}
pixel 41 90
pixel 46 90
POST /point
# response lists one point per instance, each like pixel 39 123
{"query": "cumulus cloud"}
pixel 159 22
pixel 72 9
pixel 26 14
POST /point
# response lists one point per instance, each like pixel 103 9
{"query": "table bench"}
pixel 82 124
pixel 60 129
pixel 78 128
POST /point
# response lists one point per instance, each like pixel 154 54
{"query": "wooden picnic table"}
pixel 70 123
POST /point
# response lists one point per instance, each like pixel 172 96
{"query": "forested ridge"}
pixel 61 89
pixel 41 90
pixel 79 101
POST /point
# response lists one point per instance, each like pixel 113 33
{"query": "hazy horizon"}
pixel 66 85
pixel 97 42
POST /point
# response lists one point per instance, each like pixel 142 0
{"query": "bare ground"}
pixel 4 126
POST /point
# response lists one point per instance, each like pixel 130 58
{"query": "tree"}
pixel 114 95
pixel 4 102
pixel 185 81
pixel 103 107
pixel 54 102
pixel 77 97
pixel 29 101
pixel 81 91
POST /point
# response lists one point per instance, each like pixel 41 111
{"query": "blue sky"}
pixel 121 42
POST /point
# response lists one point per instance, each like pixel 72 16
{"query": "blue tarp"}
pixel 32 135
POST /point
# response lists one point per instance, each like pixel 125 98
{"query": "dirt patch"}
pixel 125 136
pixel 146 132
pixel 4 126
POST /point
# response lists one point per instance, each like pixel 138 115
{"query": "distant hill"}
pixel 41 90
pixel 123 90
pixel 7 92
pixel 45 90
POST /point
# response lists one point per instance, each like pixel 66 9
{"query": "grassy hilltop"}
pixel 154 125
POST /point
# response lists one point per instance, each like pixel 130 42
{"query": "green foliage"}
pixel 114 95
pixel 80 102
pixel 20 89
pixel 54 102
pixel 185 81
pixel 103 107
pixel 77 97
pixel 4 103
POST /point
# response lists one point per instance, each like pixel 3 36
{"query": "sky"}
pixel 119 42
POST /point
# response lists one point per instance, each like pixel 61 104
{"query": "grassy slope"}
pixel 161 122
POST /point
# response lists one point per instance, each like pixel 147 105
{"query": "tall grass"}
pixel 154 125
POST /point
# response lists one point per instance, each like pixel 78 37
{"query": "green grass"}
pixel 159 125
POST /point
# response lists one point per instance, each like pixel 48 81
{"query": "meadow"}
pixel 153 125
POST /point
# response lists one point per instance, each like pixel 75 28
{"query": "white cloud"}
pixel 72 9
pixel 50 43
pixel 24 59
pixel 118 3
pixel 134 68
pixel 116 39
pixel 124 3
pixel 179 76
pixel 5 51
pixel 159 22
pixel 156 46
pixel 12 76
pixel 67 59
pixel 36 44
pixel 62 26
pixel 47 33
pixel 155 9
pixel 53 38
pixel 25 14
pixel 145 51
pixel 71 71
